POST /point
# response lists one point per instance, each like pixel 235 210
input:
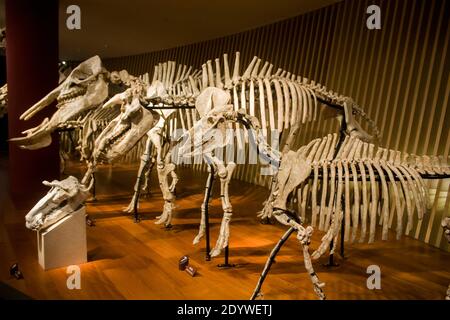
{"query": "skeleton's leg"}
pixel 267 209
pixel 304 236
pixel 163 172
pixel 164 169
pixel 257 292
pixel 145 158
pixel 317 285
pixel 174 182
pixel 87 178
pixel 224 174
pixel 304 200
pixel 208 189
pixel 146 184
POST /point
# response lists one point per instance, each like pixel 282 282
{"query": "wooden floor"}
pixel 140 261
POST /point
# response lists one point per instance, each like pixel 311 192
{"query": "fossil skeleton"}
pixel 85 88
pixel 286 99
pixel 357 182
pixel 356 179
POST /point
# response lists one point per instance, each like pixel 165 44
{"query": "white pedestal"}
pixel 63 243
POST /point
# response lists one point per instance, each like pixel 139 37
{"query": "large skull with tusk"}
pixel 64 198
pixel 84 89
pixel 126 129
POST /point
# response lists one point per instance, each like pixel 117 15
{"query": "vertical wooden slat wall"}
pixel 399 75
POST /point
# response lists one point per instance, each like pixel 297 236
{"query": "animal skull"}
pixel 64 198
pixel 84 89
pixel 125 130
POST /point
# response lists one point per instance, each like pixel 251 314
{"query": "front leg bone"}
pixel 134 203
pixel 225 174
pixel 201 231
pixel 163 173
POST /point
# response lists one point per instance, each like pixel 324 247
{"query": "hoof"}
pixel 197 239
pixel 215 253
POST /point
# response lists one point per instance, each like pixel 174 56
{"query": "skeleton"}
pixel 64 198
pixel 351 168
pixel 79 98
pixel 123 132
pixel 163 159
pixel 296 101
pixel 83 91
pixel 446 226
pixel 85 88
pixel 168 90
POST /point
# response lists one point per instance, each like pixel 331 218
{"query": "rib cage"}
pixel 392 180
pixel 278 100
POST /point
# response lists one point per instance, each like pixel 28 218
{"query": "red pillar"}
pixel 32 71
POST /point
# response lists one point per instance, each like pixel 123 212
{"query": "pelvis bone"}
pixel 84 89
pixel 64 198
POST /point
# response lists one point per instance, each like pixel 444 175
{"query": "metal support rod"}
pixel 331 262
pixel 227 253
pixel 136 216
pixel 93 187
pixel 226 264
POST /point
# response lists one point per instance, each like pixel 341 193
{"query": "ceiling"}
pixel 112 28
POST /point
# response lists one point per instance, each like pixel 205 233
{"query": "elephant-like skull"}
pixel 64 198
pixel 84 89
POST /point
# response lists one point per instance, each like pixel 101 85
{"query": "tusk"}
pixel 41 104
